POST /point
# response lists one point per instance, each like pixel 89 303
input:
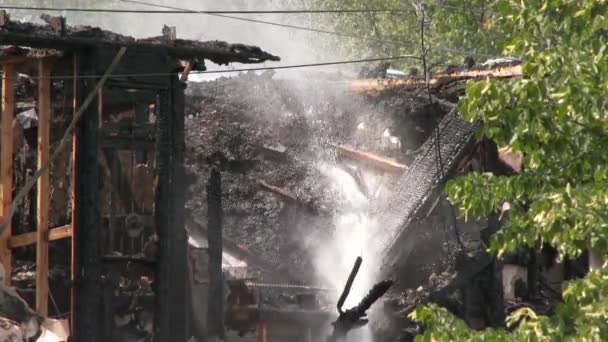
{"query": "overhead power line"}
pixel 171 9
pixel 112 10
pixel 222 71
pixel 310 29
pixel 271 23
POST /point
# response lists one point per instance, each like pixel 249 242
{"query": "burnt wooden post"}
pixel 172 283
pixel 179 238
pixel 87 218
pixel 215 313
pixel 141 116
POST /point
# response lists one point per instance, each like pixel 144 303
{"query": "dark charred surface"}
pixel 45 36
pixel 260 128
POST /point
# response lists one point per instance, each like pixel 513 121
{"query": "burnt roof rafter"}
pixel 78 37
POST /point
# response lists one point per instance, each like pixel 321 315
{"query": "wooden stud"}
pixel 6 163
pixel 44 130
pixel 5 18
pixel 27 239
pixel 262 331
pixel 187 70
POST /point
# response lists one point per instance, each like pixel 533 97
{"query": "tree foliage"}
pixel 556 115
pixel 452 29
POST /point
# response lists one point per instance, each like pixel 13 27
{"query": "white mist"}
pixel 355 229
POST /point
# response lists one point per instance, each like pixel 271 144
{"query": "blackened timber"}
pixel 141 117
pixel 164 218
pixel 179 237
pixel 43 36
pixel 349 283
pixel 123 143
pixel 128 130
pixel 120 180
pixel 171 285
pixel 355 317
pixel 215 312
pixel 88 292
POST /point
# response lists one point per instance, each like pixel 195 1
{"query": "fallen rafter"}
pixel 289 198
pixel 375 85
pixel 370 159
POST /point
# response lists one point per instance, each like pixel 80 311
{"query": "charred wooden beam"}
pixel 179 236
pixel 349 284
pixel 128 130
pixel 122 143
pixel 87 270
pixel 171 284
pixel 215 312
pixel 141 118
pixel 169 32
pixel 43 36
pixel 309 206
pixel 286 196
pixel 164 217
pixel 88 292
pixel 370 159
pixel 56 23
pixel 354 318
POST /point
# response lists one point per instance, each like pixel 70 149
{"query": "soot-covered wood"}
pixel 73 37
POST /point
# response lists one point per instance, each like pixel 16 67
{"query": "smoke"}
pixel 355 229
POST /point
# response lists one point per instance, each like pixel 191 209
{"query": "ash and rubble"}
pixel 256 127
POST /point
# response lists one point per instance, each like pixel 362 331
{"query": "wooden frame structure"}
pixel 148 72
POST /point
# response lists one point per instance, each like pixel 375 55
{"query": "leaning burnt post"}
pixel 356 317
pixel 215 312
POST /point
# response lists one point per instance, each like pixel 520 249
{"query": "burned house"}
pixel 106 114
pixel 313 172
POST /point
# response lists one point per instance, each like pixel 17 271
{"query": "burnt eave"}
pixel 78 37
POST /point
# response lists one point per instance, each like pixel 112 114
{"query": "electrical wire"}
pixel 310 29
pixel 271 23
pixel 293 66
pixel 171 9
pixel 112 10
pixel 294 11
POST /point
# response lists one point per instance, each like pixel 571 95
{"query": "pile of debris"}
pixel 274 136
